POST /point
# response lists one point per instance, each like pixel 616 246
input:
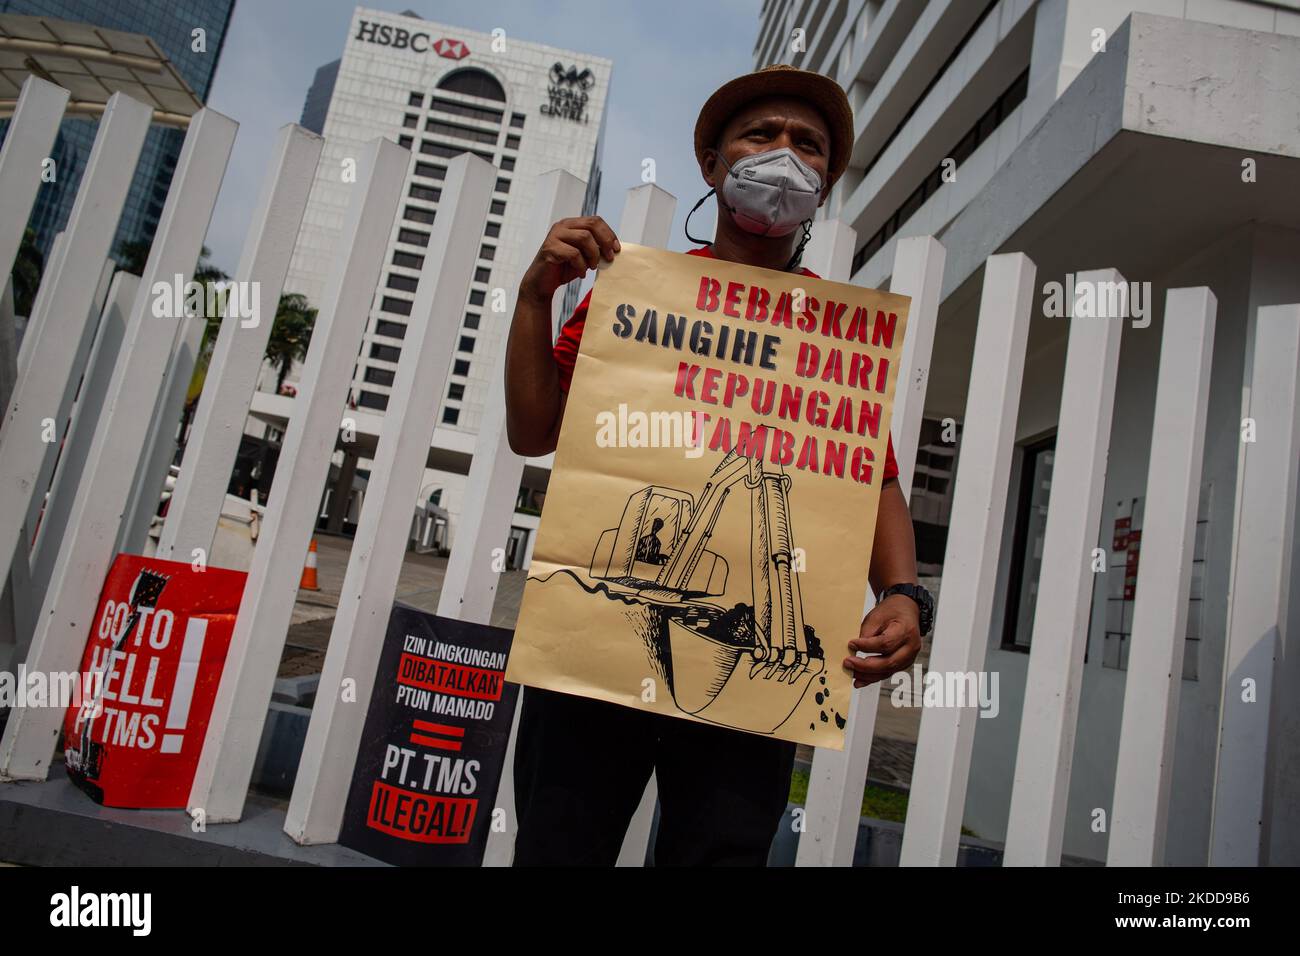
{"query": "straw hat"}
pixel 823 93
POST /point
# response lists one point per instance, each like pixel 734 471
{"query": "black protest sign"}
pixel 434 743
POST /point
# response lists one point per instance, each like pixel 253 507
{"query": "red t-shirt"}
pixel 566 352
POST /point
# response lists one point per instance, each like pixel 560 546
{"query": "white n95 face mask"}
pixel 770 193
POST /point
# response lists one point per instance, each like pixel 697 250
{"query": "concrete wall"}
pixel 1246 269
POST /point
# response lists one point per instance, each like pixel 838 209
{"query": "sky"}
pixel 669 55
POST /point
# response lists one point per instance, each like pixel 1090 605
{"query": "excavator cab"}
pixel 635 553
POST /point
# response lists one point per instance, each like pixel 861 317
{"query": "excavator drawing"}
pixel 745 666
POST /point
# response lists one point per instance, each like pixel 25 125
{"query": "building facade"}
pixel 173 27
pixel 1055 128
pixel 440 90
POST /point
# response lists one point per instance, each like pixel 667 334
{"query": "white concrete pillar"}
pixel 239 711
pixel 329 754
pixel 76 447
pixel 838 777
pixel 87 551
pixel 27 146
pixel 53 265
pixel 1039 793
pixel 55 330
pixel 829 252
pixel 1258 591
pixel 557 195
pixel 964 614
pixel 647 221
pixel 1139 810
pixel 237 354
pixel 159 449
pixel 71 386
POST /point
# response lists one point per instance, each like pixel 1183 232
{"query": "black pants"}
pixel 581 767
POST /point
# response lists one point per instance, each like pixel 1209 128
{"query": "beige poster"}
pixel 707 530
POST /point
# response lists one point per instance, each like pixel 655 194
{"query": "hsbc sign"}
pixel 385 34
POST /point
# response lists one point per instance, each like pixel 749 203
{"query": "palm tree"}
pixel 290 335
pixel 28 266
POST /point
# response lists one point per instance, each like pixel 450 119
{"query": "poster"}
pixel 150 672
pixel 434 743
pixel 707 533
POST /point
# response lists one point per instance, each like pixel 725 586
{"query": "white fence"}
pixel 128 356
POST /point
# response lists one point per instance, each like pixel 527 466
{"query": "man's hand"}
pixel 534 400
pixel 571 247
pixel 893 631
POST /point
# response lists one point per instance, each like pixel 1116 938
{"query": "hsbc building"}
pixel 441 90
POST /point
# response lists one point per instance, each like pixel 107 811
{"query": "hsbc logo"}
pixel 451 49
pixel 385 34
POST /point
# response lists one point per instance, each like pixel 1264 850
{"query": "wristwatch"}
pixel 923 598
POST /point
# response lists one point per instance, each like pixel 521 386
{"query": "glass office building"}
pixel 169 23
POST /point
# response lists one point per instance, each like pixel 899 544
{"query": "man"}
pixel 771 145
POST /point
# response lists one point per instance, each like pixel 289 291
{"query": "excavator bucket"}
pixel 722 683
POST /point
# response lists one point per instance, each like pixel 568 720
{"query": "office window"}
pixel 456 390
pixel 459 131
pixel 481 274
pixel 372 400
pixel 1027 544
pixel 487 252
pixel 410 121
pixel 416 214
pixel 404 142
pixel 507 163
pixel 415 99
pixel 398 306
pixel 480 113
pixel 471 81
pixel 408 260
pixel 493 230
pixel 460 367
pixel 441 149
pixel 380 376
pixel 451 415
pixel 431 171
pixel 394 330
pixel 512 142
pixel 471 320
pixel 466 343
pixel 402 283
pixel 427 193
pixel 477 296
pixel 413 236
pixel 517 120
pixel 984 127
pixel 385 353
pixel 498 208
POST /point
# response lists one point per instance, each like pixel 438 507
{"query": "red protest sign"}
pixel 151 668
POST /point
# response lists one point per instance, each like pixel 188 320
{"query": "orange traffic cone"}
pixel 308 582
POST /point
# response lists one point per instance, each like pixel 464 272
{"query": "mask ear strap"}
pixel 687 224
pixel 798 250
